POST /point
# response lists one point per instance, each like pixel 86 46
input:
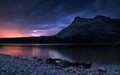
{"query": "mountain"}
pixel 100 29
pixel 97 29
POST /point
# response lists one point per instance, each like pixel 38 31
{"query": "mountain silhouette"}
pixel 97 29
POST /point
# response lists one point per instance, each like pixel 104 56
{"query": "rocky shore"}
pixel 11 65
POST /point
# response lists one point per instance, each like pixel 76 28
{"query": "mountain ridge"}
pixel 85 26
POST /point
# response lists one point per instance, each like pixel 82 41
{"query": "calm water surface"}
pixel 99 54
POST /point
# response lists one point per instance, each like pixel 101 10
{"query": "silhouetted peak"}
pixel 80 21
pixel 77 18
pixel 101 17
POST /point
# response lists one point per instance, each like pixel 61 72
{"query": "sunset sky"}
pixel 25 18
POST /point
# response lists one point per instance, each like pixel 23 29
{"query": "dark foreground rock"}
pixel 10 65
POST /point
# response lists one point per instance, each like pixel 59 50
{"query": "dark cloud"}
pixel 47 14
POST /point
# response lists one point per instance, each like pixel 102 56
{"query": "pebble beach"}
pixel 12 65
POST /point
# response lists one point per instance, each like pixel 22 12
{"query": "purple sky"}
pixel 24 18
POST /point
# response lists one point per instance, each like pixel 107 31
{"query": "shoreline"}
pixel 105 43
pixel 11 65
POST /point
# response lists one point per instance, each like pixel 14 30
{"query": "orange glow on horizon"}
pixel 11 33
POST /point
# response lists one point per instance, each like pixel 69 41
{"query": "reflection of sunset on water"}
pixel 36 51
pixel 11 50
pixel 45 53
pixel 29 51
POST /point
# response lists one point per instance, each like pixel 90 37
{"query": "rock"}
pixel 56 61
pixel 102 69
pixel 117 70
pixel 17 66
pixel 85 64
pixel 76 64
pixel 37 59
pixel 34 58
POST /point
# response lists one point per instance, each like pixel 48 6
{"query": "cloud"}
pixel 31 15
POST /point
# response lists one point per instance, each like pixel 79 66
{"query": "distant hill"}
pixel 31 40
pixel 97 29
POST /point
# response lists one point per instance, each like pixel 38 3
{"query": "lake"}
pixel 91 53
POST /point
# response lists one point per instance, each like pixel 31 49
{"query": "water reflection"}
pixel 30 51
pixel 11 50
pixel 102 54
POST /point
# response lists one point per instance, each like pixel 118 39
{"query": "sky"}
pixel 26 18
